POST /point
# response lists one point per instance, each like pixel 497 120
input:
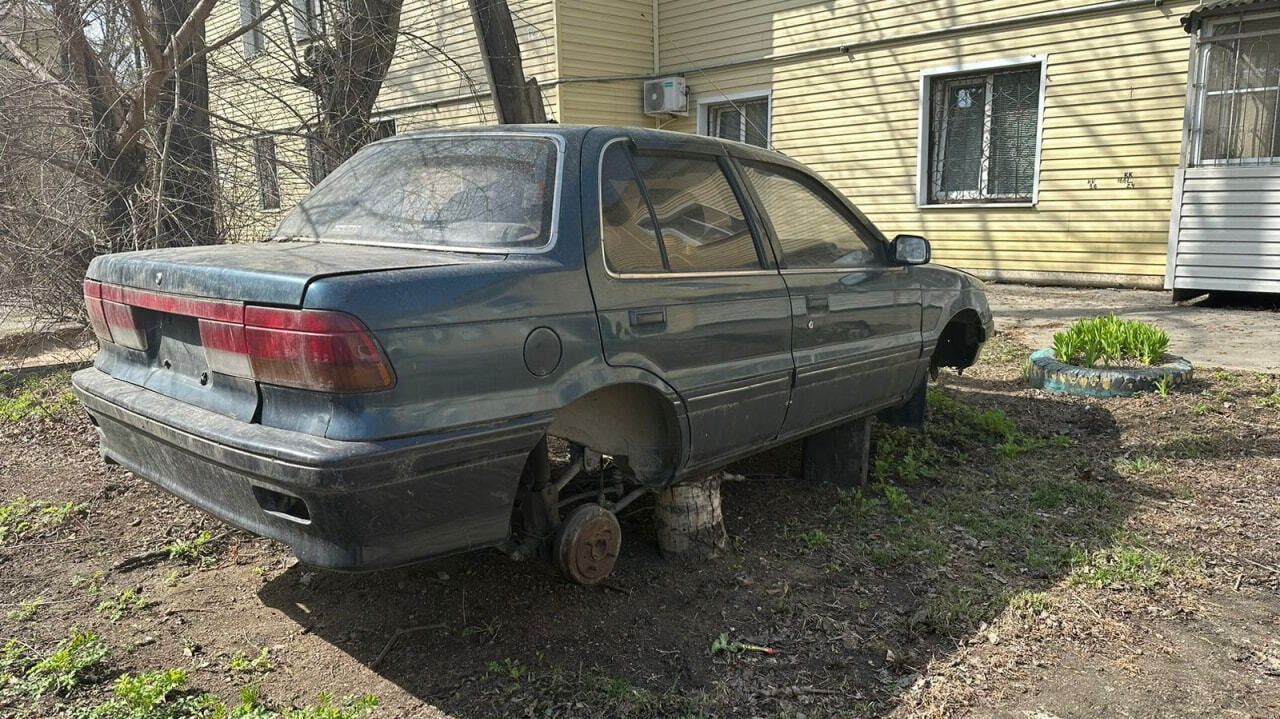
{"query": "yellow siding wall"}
pixel 1114 105
pixel 604 37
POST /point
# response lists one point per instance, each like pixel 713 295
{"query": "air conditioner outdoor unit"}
pixel 665 96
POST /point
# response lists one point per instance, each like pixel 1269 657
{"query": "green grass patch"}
pixel 1129 564
pixel 1142 464
pixel 1027 602
pixel 1109 339
pixel 22 517
pixel 1270 401
pixel 92 584
pixel 75 661
pixel 192 551
pixel 1192 446
pixel 956 609
pixel 81 660
pixel 26 610
pixel 259 664
pixel 127 603
pixel 36 396
pixel 815 538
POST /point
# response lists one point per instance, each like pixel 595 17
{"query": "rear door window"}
pixel 701 223
pixel 671 213
pixel 809 224
pixel 627 230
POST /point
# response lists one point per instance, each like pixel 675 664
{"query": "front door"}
pixel 683 289
pixel 855 319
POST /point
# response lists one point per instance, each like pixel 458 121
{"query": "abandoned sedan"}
pixel 376 382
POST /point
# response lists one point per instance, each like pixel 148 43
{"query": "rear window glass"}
pixel 450 191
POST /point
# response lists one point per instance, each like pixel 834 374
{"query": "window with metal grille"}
pixel 1238 92
pixel 264 161
pixel 983 135
pixel 742 120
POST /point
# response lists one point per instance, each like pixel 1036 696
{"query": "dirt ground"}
pixel 1232 330
pixel 1024 556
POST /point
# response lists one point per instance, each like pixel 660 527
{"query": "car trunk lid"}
pixel 274 273
pixel 205 325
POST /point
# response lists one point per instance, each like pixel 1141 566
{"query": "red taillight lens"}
pixel 112 320
pixel 317 350
pixel 93 303
pixel 126 325
pixel 314 349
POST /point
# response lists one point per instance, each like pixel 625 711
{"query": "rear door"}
pixel 683 289
pixel 855 319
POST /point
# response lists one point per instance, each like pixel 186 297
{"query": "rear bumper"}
pixel 368 505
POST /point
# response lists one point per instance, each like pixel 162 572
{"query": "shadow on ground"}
pixel 857 591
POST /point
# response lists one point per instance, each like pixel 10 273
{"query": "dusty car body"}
pixel 374 385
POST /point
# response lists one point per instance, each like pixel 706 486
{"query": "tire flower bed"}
pixel 1108 357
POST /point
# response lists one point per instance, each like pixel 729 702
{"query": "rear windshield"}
pixel 452 191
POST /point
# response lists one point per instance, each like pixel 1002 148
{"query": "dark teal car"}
pixel 376 382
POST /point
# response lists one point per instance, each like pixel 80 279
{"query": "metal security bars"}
pixel 1238 92
pixel 983 135
pixel 742 120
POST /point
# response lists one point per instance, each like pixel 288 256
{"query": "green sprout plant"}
pixel 1110 340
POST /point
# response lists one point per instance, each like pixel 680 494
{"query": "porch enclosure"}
pixel 1225 226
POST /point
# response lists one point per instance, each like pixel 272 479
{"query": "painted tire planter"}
pixel 1046 372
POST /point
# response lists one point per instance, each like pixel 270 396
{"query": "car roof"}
pixel 646 137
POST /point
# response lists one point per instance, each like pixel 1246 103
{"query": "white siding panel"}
pixel 1228 233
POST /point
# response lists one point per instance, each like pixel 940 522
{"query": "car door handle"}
pixel 816 304
pixel 648 316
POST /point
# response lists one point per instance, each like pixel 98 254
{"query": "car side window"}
pixel 700 222
pixel 808 224
pixel 630 241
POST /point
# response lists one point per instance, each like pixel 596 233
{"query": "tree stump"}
pixel 840 455
pixel 690 523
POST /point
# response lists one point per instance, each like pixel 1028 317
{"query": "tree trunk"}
pixel 346 73
pixel 690 523
pixel 185 174
pixel 501 52
pixel 123 173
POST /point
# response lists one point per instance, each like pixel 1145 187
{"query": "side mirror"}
pixel 910 250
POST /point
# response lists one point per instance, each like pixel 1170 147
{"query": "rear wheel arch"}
pixel 637 424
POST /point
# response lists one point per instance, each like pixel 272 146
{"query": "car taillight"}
pixel 121 322
pixel 309 349
pixel 314 349
pixel 318 350
pixel 93 304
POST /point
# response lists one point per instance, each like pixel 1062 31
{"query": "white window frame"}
pixel 927 78
pixel 254 42
pixel 705 104
pixel 1201 51
pixel 308 20
pixel 378 119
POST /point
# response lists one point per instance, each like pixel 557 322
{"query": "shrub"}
pixel 1109 339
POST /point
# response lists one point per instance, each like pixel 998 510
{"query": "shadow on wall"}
pixel 858 591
